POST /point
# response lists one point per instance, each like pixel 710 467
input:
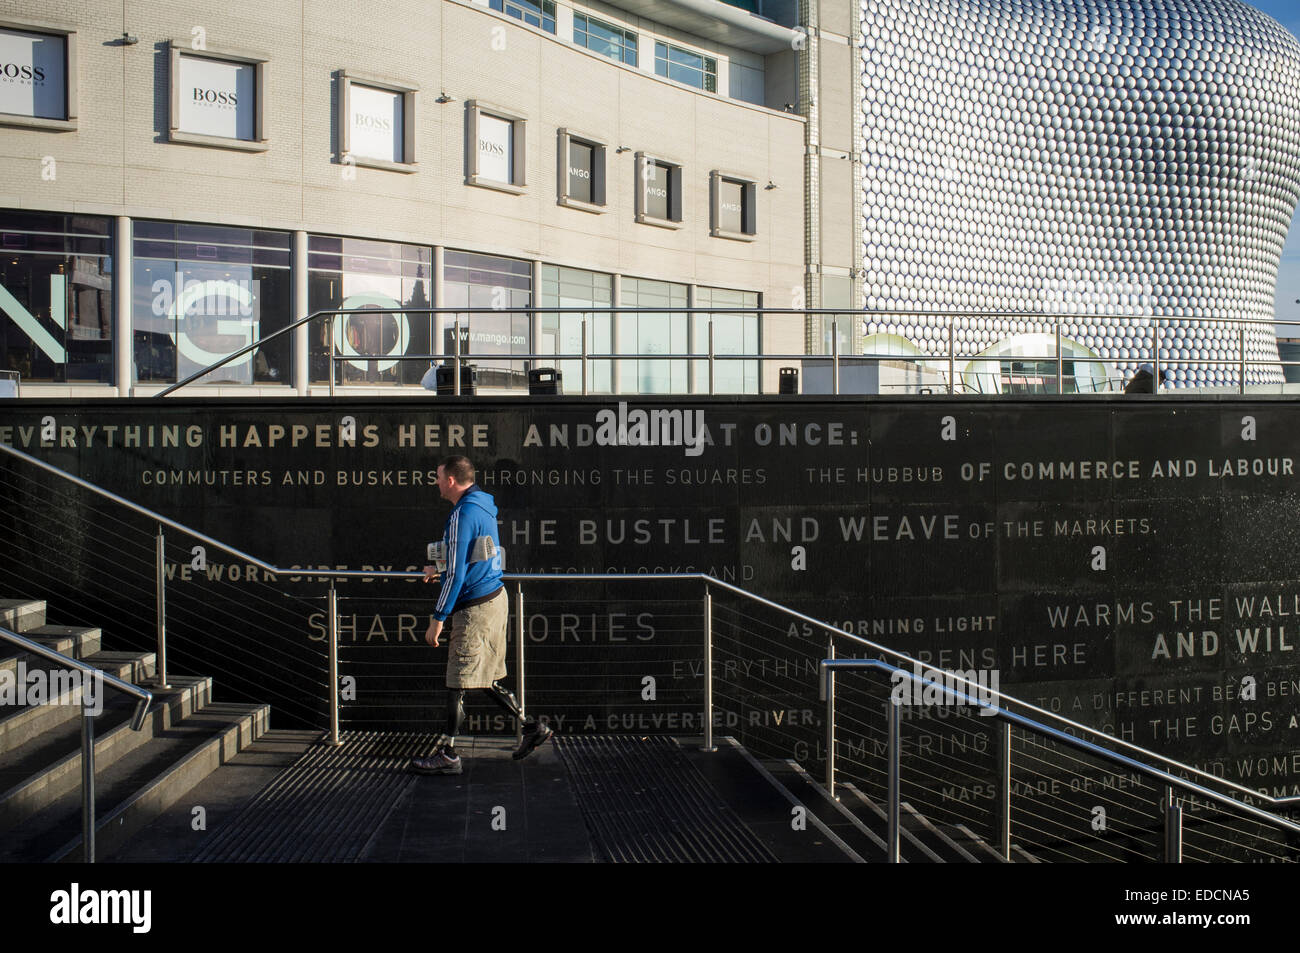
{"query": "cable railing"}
pixel 1058 795
pixel 1157 341
pixel 730 660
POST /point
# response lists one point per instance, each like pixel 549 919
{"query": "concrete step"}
pixel 230 728
pixel 39 772
pixel 934 837
pixel 977 846
pixel 20 724
pixel 911 847
pixel 22 615
pixel 762 803
pixel 172 837
pixel 139 785
pixel 822 812
pixel 71 640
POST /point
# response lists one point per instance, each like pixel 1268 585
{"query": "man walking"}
pixel 471 586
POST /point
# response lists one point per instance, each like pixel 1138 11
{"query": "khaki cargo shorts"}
pixel 476 648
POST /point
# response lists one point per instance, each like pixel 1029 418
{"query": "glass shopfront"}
pixel 351 273
pixel 201 292
pixel 56 297
pixel 736 333
pixel 485 281
pixel 651 333
pixel 562 333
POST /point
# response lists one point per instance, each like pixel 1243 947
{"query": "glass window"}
pixel 651 333
pixel 580 170
pixel 540 14
pixel 376 276
pixel 562 333
pixel 658 191
pixel 376 124
pixel 605 39
pixel 1037 377
pixel 736 333
pixel 202 292
pixel 56 297
pixel 33 74
pixel 684 66
pixel 483 281
pixel 217 97
pixel 731 206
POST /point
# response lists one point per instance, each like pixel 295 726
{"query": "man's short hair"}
pixel 458 468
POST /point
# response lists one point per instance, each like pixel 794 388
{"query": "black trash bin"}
pixel 446 377
pixel 788 380
pixel 545 382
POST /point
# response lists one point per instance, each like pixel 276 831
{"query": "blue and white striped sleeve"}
pixel 454 578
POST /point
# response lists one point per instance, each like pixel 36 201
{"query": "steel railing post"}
pixel 455 368
pixel 1242 339
pixel 1060 364
pixel 952 355
pixel 708 669
pixel 1004 789
pixel 830 722
pixel 712 353
pixel 1155 358
pixel 334 665
pixel 585 352
pixel 333 365
pixel 835 357
pixel 1173 828
pixel 891 842
pixel 160 601
pixel 87 782
pixel 519 656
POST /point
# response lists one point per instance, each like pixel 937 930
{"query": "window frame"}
pixel 259 141
pixel 474 108
pixel 748 211
pixel 705 59
pixel 70 99
pixel 541 14
pixel 676 216
pixel 623 32
pixel 599 204
pixel 343 117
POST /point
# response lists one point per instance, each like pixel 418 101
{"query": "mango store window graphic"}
pixel 33 74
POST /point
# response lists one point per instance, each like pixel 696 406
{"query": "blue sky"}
pixel 1287 12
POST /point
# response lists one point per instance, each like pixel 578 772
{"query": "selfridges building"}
pixel 1084 158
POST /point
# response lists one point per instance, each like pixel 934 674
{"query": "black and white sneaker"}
pixel 437 763
pixel 534 737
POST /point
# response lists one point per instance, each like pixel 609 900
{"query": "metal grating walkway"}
pixel 325 806
pixel 643 801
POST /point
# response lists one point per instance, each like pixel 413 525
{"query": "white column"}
pixel 302 336
pixel 124 337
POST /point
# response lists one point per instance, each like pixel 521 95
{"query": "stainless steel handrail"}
pixel 144 700
pixel 826 678
pixel 457 357
pixel 708 581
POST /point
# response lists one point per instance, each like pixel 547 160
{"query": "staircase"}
pixel 138 774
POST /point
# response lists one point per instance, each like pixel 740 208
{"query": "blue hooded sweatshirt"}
pixel 474 515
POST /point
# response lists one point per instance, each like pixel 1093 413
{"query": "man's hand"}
pixel 435 629
pixel 431 574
